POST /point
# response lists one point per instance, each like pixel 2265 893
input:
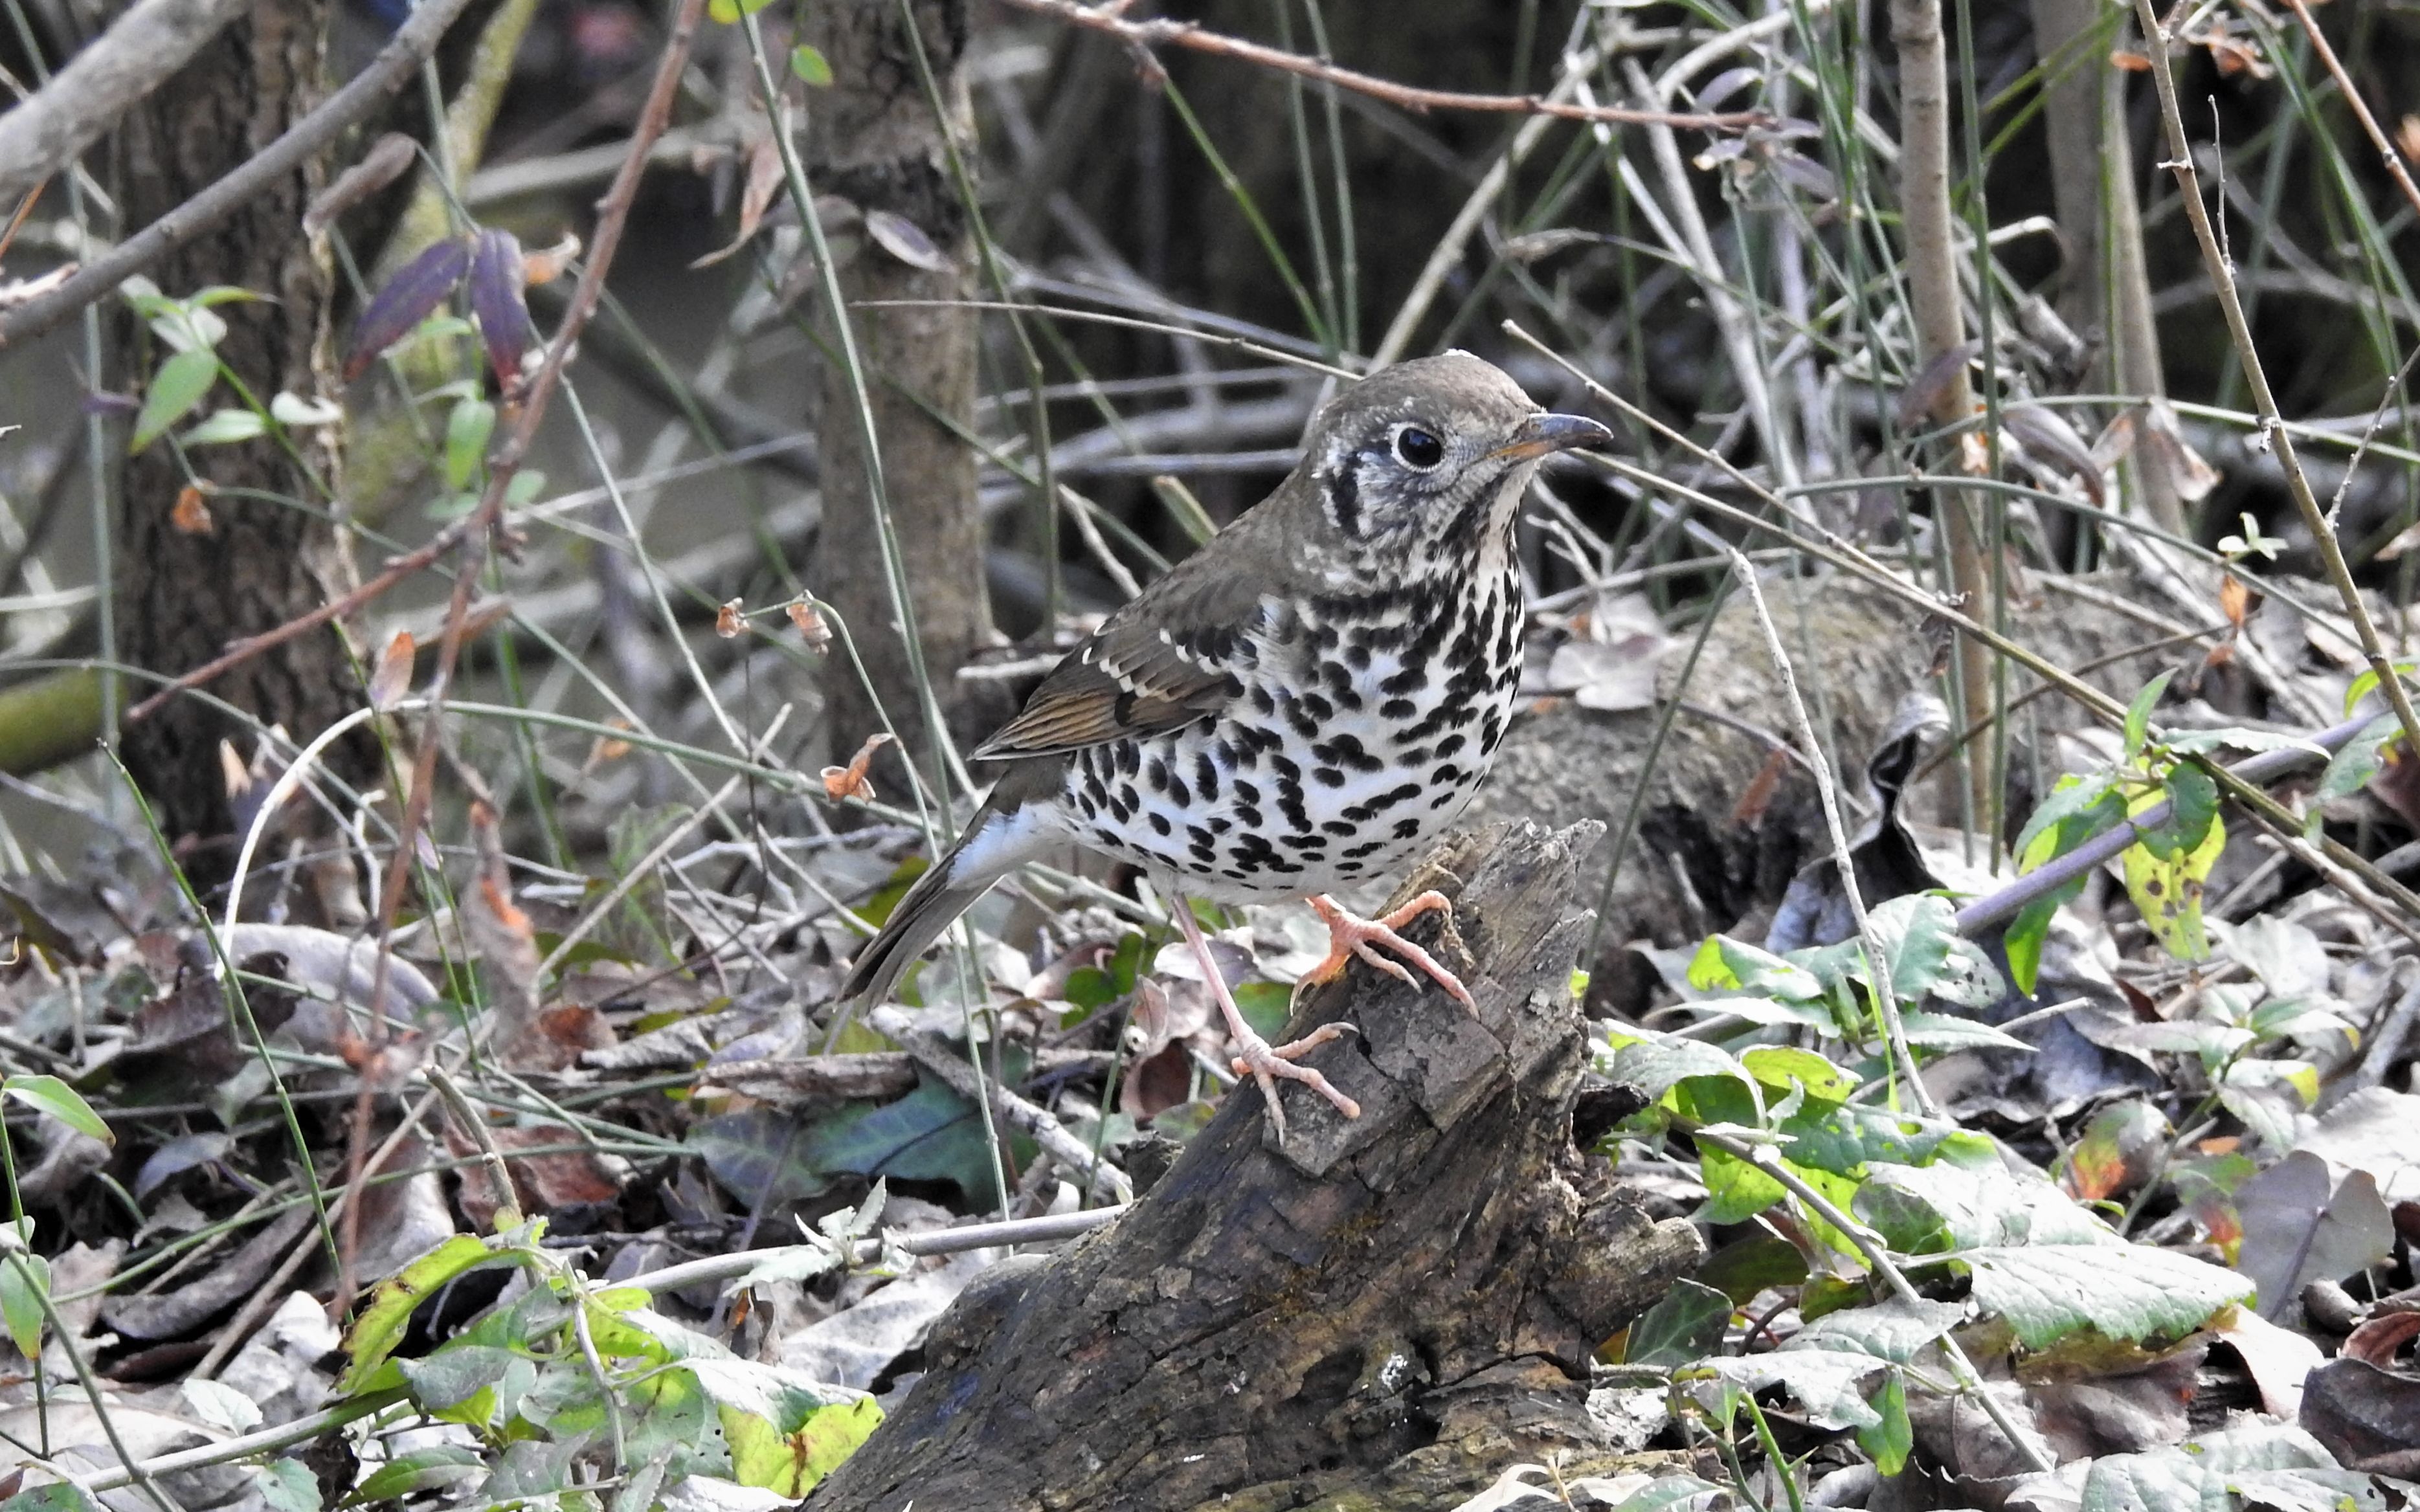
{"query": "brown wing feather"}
pixel 1159 663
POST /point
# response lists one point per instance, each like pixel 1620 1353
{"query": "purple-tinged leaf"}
pixel 497 278
pixel 110 402
pixel 407 299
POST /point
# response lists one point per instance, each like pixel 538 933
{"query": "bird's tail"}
pixel 994 844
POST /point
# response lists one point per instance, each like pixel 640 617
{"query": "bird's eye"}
pixel 1418 448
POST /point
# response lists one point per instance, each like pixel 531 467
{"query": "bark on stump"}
pixel 1385 1312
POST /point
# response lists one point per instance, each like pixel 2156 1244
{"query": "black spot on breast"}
pixel 1205 775
pixel 1204 855
pixel 1492 732
pixel 1220 824
pixel 1357 655
pixel 1328 776
pixel 1449 744
pixel 1337 826
pixel 1177 789
pixel 1397 708
pixel 1264 703
pixel 1247 792
pixel 1407 828
pixel 1155 772
pixel 1449 773
pixel 1413 757
pixel 1129 757
pixel 1160 823
pixel 1370 847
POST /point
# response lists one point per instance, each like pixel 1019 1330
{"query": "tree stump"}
pixel 1387 1311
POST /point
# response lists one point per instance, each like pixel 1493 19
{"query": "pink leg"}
pixel 1254 1056
pixel 1350 937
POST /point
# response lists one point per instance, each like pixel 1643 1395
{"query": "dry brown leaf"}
pixel 393 674
pixel 811 622
pixel 2235 599
pixel 731 618
pixel 849 782
pixel 755 198
pixel 192 514
pixel 2129 60
pixel 547 264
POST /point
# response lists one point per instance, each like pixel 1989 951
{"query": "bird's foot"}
pixel 1350 935
pixel 1264 1063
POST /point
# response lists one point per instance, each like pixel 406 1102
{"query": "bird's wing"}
pixel 1161 662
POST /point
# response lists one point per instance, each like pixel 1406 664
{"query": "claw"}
pixel 1264 1062
pixel 1350 937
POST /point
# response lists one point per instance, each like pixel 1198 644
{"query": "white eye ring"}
pixel 1427 443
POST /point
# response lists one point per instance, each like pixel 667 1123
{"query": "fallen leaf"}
pixel 2236 599
pixel 849 782
pixel 546 266
pixel 730 618
pixel 906 240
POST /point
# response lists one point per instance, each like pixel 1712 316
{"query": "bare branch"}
pixel 1163 33
pixel 397 61
pixel 100 84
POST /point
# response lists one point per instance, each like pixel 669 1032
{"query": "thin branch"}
pixel 1142 35
pixel 2264 402
pixel 613 214
pixel 396 62
pixel 2394 160
pixel 100 84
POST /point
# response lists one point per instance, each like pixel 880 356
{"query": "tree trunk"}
pixel 182 596
pixel 874 138
pixel 1384 1312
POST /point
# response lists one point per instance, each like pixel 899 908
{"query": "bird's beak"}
pixel 1543 433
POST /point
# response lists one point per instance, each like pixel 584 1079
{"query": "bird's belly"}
pixel 1296 793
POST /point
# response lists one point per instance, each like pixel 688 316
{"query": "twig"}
pixel 1046 1130
pixel 1186 34
pixel 1042 1230
pixel 2394 160
pixel 100 84
pixel 1940 324
pixel 1877 962
pixel 613 214
pixel 2267 767
pixel 1764 1158
pixel 402 55
pixel 2273 430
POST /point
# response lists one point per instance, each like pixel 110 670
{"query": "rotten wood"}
pixel 1388 1310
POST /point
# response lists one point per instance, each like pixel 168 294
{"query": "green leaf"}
pixel 381 1323
pixel 2129 1292
pixel 2169 893
pixel 1685 1325
pixel 1745 1267
pixel 419 1469
pixel 181 384
pixel 2258 1465
pixel 58 1496
pixel 466 429
pixel 527 485
pixel 2350 768
pixel 810 67
pixel 2030 930
pixel 1726 964
pixel 61 1101
pixel 1928 957
pixel 2073 798
pixel 1780 1067
pixel 1656 1065
pixel 2202 742
pixel 2193 807
pixel 223 426
pixel 21 1300
pixel 2366 684
pixel 448 1376
pixel 2138 715
pixel 788 1459
pixel 288 1485
pixel 1891 1440
pixel 729 11
pixel 1825 1381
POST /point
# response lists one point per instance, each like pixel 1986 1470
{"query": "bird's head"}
pixel 1424 461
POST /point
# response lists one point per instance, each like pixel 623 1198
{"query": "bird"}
pixel 1304 704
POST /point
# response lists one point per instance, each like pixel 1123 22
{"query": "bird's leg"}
pixel 1254 1056
pixel 1350 935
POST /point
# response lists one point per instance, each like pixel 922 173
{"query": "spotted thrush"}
pixel 1303 704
